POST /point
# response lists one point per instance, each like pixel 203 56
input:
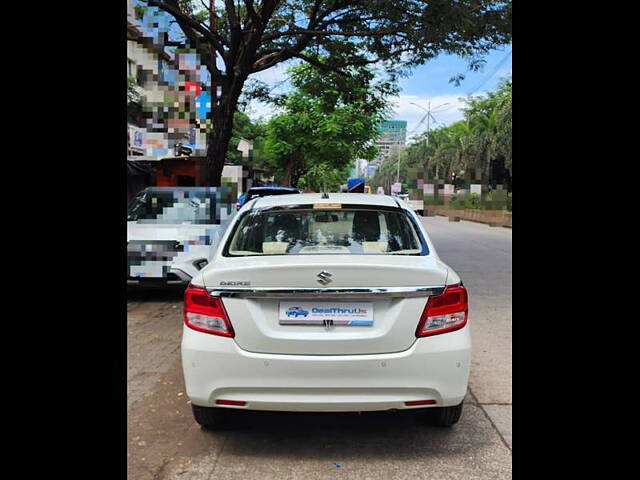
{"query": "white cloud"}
pixel 273 75
pixel 257 109
pixel 276 78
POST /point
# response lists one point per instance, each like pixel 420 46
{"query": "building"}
pixel 146 62
pixel 393 136
pixel 162 77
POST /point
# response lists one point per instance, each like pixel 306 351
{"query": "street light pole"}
pixel 428 121
pixel 429 116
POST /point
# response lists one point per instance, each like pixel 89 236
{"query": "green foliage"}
pixel 461 149
pixel 133 96
pixel 475 201
pixel 243 127
pixel 140 10
pixel 322 177
pixel 327 122
pixel 471 200
pixel 134 107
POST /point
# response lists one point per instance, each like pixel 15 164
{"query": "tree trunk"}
pixel 217 150
pixel 220 136
pixel 290 171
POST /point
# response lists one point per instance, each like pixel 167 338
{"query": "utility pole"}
pixel 428 121
pixel 429 116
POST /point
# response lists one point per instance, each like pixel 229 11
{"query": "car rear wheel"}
pixel 445 416
pixel 209 417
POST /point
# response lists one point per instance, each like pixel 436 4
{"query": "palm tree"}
pixel 461 147
pixel 485 131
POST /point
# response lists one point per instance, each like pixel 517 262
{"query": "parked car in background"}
pixel 324 303
pixel 255 192
pixel 172 233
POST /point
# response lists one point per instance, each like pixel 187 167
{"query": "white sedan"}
pixel 172 232
pixel 326 303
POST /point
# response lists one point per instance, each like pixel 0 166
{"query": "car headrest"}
pixel 366 226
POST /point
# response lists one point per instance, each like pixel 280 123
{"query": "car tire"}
pixel 210 418
pixel 445 416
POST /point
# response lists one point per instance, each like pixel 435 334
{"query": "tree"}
pixel 134 108
pixel 321 177
pixel 328 121
pixel 490 117
pixel 243 127
pixel 481 143
pixel 251 37
pixel 503 133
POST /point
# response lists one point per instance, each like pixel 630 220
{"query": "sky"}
pixel 429 82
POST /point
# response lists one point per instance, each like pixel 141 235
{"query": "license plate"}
pixel 326 313
pixel 148 270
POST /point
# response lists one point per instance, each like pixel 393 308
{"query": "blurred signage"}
pixel 355 185
pixel 136 139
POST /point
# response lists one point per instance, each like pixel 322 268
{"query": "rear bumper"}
pixel 176 278
pixel 434 368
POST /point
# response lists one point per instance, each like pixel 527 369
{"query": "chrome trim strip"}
pixel 354 292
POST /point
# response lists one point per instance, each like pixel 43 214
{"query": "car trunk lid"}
pixel 359 305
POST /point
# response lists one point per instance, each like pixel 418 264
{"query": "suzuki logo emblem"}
pixel 328 323
pixel 324 277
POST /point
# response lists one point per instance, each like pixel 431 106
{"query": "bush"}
pixel 474 201
pixel 471 200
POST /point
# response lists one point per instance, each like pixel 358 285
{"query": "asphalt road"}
pixel 165 443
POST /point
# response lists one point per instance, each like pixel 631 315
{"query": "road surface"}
pixel 165 443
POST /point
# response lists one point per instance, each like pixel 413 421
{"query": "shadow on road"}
pixel 345 436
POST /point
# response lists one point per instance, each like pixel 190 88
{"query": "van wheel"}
pixel 445 416
pixel 210 418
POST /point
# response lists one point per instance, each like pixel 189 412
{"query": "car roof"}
pixel 272 190
pixel 173 189
pixel 313 198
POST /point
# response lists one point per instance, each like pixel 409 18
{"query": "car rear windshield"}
pixel 317 232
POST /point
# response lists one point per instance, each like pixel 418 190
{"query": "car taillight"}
pixel 445 312
pixel 205 313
